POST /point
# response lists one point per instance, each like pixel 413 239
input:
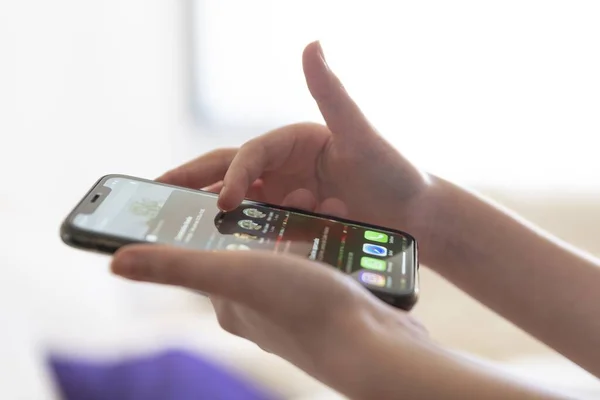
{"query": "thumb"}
pixel 342 115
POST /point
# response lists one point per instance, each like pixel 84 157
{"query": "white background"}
pixel 487 93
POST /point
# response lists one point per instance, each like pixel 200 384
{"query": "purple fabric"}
pixel 170 375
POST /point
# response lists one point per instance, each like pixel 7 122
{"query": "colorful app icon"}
pixel 254 213
pixel 374 249
pixel 376 236
pixel 249 224
pixel 373 263
pixel 373 279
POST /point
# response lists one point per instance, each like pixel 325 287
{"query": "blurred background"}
pixel 500 96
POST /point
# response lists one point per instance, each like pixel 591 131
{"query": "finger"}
pixel 234 318
pixel 302 199
pixel 252 278
pixel 342 115
pixel 334 207
pixel 254 192
pixel 226 315
pixel 267 152
pixel 214 188
pixel 417 325
pixel 202 171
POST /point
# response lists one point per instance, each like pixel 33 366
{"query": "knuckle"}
pixel 252 158
pixel 222 152
pixel 308 125
pixel 257 146
pixel 265 349
pixel 226 317
pixel 227 155
pixel 228 323
pixel 251 145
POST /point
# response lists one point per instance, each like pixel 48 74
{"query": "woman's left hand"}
pixel 309 313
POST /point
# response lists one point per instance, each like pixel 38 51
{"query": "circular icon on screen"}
pixel 254 213
pixel 235 246
pixel 249 224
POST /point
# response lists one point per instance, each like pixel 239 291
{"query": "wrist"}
pixel 368 357
pixel 425 217
pixel 384 363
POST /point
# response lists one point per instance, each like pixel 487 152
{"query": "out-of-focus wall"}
pixel 86 88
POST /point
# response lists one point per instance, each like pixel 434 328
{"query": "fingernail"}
pixel 223 207
pixel 222 203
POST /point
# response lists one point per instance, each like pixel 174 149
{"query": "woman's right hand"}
pixel 345 168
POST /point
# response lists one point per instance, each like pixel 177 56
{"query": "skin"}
pixel 296 308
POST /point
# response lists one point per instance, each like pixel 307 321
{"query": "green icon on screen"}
pixel 376 236
pixel 373 263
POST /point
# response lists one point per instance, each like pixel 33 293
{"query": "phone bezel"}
pixel 83 239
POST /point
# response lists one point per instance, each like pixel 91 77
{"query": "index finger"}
pixel 264 153
pixel 247 277
pixel 203 171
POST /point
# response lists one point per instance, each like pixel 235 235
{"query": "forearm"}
pixel 527 276
pixel 388 366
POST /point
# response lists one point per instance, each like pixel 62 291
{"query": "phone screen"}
pixel 139 210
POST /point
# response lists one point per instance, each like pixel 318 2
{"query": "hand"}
pixel 323 322
pixel 310 314
pixel 345 168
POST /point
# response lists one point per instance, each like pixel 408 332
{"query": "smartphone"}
pixel 120 210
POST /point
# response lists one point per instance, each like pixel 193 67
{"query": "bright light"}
pixel 498 93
